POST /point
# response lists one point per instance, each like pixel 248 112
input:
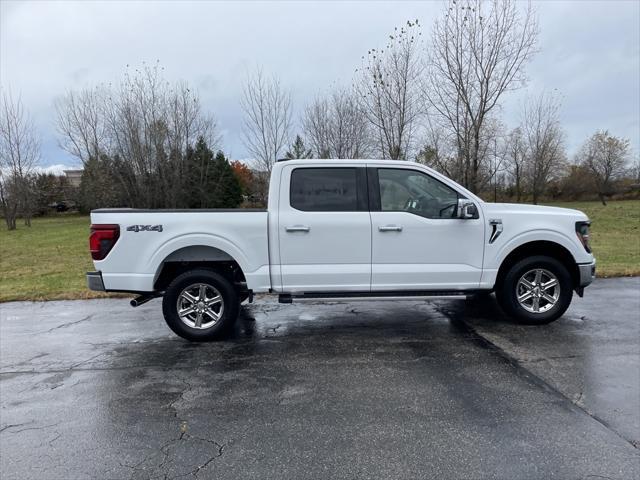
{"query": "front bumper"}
pixel 94 281
pixel 587 273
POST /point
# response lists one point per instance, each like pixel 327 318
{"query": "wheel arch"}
pixel 190 257
pixel 540 247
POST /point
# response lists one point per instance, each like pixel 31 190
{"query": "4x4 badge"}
pixel 144 228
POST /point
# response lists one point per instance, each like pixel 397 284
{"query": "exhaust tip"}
pixel 142 299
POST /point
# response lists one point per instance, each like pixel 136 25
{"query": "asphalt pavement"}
pixel 373 389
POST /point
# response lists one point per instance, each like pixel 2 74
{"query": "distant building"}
pixel 74 177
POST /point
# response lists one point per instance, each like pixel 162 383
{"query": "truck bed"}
pixel 148 238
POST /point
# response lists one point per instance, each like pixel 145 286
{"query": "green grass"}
pixel 48 261
pixel 615 235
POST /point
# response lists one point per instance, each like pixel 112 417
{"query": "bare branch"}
pixel 267 123
pixel 545 149
pixel 387 87
pixel 336 126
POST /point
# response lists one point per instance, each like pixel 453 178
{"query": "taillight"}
pixel 102 239
pixel 582 231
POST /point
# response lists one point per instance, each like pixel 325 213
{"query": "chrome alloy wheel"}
pixel 538 290
pixel 200 306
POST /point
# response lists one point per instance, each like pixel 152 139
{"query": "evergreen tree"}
pixel 298 149
pixel 211 181
pixel 226 191
pixel 197 161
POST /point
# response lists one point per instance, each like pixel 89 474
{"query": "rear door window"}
pixel 326 189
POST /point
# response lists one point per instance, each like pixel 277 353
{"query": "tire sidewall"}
pixel 508 294
pixel 170 300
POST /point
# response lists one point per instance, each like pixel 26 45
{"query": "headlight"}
pixel 582 231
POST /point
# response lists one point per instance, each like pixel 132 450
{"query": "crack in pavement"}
pixel 158 469
pixel 6 427
pixel 65 325
pixel 26 429
pixel 75 365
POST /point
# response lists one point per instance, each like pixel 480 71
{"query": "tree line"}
pixel 149 143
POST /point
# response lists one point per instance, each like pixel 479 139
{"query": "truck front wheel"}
pixel 535 290
pixel 200 305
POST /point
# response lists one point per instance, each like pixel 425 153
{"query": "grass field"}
pixel 48 260
pixel 615 235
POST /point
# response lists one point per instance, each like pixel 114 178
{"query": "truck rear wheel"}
pixel 536 290
pixel 200 305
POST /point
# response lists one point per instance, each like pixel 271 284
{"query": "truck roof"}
pixel 350 160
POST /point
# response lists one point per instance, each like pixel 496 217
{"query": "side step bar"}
pixel 400 295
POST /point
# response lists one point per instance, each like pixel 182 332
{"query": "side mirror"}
pixel 466 209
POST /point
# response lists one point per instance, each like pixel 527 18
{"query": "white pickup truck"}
pixel 341 229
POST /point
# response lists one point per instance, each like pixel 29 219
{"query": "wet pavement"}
pixel 388 389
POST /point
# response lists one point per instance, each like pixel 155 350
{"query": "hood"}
pixel 524 209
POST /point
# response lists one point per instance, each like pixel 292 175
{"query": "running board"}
pixel 397 295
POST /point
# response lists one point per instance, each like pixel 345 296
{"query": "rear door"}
pixel 324 228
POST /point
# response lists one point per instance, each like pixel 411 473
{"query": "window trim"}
pixel 375 201
pixel 362 190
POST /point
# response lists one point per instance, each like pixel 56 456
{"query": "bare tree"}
pixel 545 149
pixel 388 88
pixel 441 151
pixel 142 129
pixel 437 150
pixel 316 123
pixel 81 122
pixel 19 153
pixel 491 150
pixel 606 158
pixel 515 150
pixel 478 52
pixel 336 126
pixel 267 123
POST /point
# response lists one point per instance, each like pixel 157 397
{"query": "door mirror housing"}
pixel 467 210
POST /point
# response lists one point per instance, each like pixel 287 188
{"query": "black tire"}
pixel 214 281
pixel 507 291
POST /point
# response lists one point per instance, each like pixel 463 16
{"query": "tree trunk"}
pixel 475 163
pixel 11 222
pixel 601 195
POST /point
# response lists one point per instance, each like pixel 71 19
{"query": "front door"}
pixel 417 243
pixel 324 229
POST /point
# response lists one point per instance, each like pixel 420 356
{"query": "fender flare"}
pixel 196 239
pixel 531 236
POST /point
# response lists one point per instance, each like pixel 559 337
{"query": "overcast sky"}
pixel 589 53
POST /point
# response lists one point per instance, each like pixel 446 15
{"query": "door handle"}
pixel 297 228
pixel 390 228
